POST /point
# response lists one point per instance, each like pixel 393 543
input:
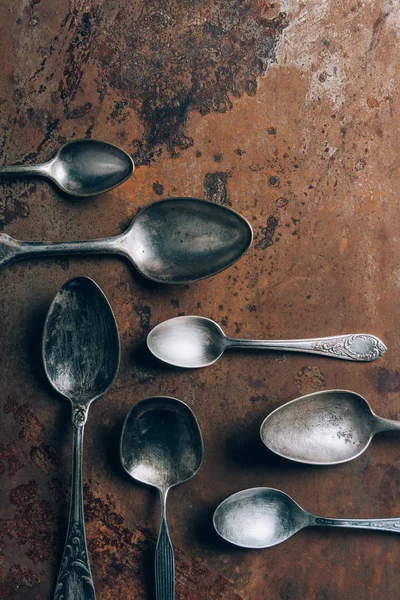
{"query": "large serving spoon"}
pixel 81 356
pixel 263 517
pixel 194 342
pixel 161 445
pixel 82 167
pixel 323 428
pixel 175 240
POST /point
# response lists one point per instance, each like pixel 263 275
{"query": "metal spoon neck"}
pixel 382 425
pixel 244 343
pixel 40 169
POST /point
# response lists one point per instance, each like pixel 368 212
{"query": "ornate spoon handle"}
pixel 12 250
pixel 382 524
pixel 354 346
pixel 74 580
pixel 164 564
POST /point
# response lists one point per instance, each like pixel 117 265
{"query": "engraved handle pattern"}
pixel 164 562
pixel 355 346
pixel 382 524
pixel 74 580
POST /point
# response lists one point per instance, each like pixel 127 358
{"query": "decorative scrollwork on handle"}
pixel 79 415
pixel 75 579
pixel 358 346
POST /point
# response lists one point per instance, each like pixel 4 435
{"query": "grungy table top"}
pixel 287 112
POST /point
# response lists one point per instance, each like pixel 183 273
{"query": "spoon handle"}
pixel 382 524
pixel 12 250
pixel 355 346
pixel 74 580
pixel 164 563
pixel 24 169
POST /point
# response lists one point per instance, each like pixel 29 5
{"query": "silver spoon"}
pixel 82 167
pixel 194 342
pixel 263 517
pixel 161 445
pixel 81 356
pixel 175 240
pixel 323 428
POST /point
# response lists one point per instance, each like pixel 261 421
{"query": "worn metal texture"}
pixel 287 112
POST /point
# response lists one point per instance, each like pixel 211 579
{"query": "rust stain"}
pixel 268 233
pixel 309 379
pixel 215 187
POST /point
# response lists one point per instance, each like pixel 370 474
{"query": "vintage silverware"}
pixel 82 167
pixel 323 428
pixel 81 356
pixel 161 445
pixel 175 240
pixel 194 342
pixel 263 517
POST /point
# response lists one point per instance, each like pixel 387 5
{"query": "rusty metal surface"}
pixel 288 112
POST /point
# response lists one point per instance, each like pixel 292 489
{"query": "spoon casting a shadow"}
pixel 81 356
pixel 82 167
pixel 263 517
pixel 175 240
pixel 323 428
pixel 161 445
pixel 194 342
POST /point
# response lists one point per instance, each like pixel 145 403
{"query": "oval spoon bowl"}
pixel 185 239
pixel 322 428
pixel 90 167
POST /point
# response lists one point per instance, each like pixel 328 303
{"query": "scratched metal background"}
pixel 288 112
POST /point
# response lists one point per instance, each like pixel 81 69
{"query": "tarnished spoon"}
pixel 175 240
pixel 263 517
pixel 81 356
pixel 82 167
pixel 161 445
pixel 194 342
pixel 323 428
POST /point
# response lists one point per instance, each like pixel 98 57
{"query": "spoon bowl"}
pixel 264 517
pixel 176 240
pixel 195 342
pixel 189 342
pixel 81 357
pixel 80 342
pixel 161 446
pixel 161 443
pixel 323 428
pixel 82 167
pixel 258 518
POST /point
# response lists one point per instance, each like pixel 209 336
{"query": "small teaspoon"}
pixel 193 342
pixel 82 167
pixel 263 517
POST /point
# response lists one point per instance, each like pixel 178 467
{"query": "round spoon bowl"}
pixel 323 428
pixel 189 342
pixel 161 443
pixel 258 518
pixel 80 342
pixel 89 167
pixel 177 240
